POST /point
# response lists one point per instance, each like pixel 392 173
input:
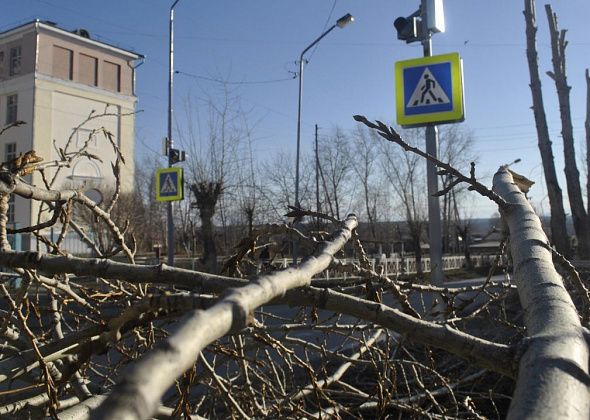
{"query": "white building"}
pixel 53 79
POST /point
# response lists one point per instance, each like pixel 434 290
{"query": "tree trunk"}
pixel 558 225
pixel 207 194
pixel 416 234
pixel 587 126
pixel 370 215
pixel 572 175
pixel 139 392
pixel 553 370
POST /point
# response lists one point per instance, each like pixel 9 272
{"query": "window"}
pixel 63 63
pixel 112 76
pixel 9 154
pixel 88 70
pixel 9 151
pixel 11 108
pixel 15 56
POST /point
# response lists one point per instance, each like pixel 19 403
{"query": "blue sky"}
pixel 351 72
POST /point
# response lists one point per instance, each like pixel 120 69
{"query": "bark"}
pixel 572 175
pixel 112 270
pixel 138 392
pixel 587 127
pixel 207 194
pixel 553 370
pixel 416 235
pixel 558 225
pixel 464 231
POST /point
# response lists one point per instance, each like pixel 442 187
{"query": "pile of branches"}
pixel 96 337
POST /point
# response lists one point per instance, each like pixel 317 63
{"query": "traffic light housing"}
pixel 176 155
pixel 408 28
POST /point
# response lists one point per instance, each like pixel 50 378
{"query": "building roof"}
pixel 78 34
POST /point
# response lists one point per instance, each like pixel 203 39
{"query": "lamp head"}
pixel 344 20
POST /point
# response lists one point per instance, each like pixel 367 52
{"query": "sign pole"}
pixel 434 225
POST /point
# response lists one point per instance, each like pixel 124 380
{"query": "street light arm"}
pixel 314 42
pixel 173 4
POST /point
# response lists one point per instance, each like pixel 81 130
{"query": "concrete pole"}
pixel 169 208
pixel 434 227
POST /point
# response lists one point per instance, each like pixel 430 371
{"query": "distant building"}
pixel 53 79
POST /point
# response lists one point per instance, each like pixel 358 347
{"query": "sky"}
pixel 255 45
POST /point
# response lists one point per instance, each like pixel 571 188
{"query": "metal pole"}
pixel 299 110
pixel 434 228
pixel 317 177
pixel 169 213
pixel 298 129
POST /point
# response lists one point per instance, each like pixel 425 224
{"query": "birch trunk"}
pixel 553 370
pixel 138 392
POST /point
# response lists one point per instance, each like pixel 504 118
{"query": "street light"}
pixel 507 165
pixel 340 23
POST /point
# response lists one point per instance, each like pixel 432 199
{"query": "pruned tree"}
pixel 572 175
pixel 558 223
pixel 587 143
pixel 212 147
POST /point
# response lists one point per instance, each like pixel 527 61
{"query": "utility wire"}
pixel 226 82
pixel 324 28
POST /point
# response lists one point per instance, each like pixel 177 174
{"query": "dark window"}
pixel 9 151
pixel 11 108
pixel 15 58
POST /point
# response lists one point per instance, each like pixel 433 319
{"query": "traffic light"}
pixel 176 156
pixel 408 28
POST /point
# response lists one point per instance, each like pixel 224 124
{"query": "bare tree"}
pixel 278 188
pixel 572 175
pixel 558 225
pixel 335 167
pixel 456 148
pixel 405 173
pixel 587 127
pixel 212 147
pixel 366 153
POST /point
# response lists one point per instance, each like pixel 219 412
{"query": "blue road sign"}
pixel 429 90
pixel 169 184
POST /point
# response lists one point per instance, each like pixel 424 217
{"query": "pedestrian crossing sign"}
pixel 429 90
pixel 169 184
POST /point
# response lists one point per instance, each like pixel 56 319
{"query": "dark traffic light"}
pixel 408 29
pixel 176 156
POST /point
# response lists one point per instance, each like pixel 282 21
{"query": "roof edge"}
pixel 52 27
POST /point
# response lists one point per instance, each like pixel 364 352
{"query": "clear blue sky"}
pixel 351 72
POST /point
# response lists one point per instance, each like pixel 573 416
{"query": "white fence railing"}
pixel 399 265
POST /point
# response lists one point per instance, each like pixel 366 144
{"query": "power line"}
pixel 228 82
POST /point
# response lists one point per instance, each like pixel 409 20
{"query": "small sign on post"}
pixel 169 184
pixel 429 90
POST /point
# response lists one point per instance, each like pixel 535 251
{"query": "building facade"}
pixel 55 80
